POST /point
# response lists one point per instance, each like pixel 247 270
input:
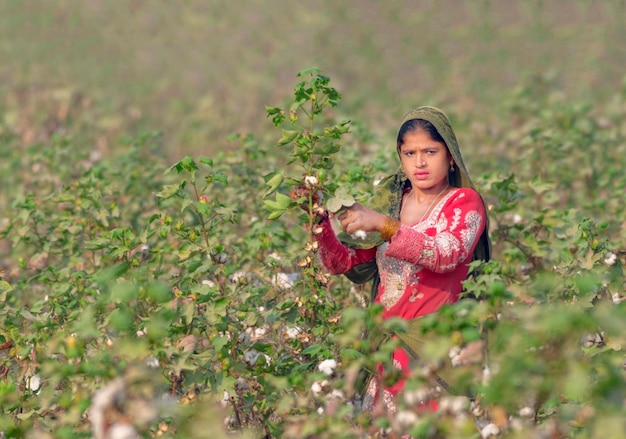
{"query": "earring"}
pixel 451 166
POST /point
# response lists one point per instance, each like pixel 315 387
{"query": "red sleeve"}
pixel 450 242
pixel 335 256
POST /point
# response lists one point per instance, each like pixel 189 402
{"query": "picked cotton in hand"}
pixel 359 234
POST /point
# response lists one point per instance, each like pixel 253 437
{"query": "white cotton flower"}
pixel 517 219
pixel 320 411
pixel 489 430
pixel 617 298
pixel 610 258
pixel 310 181
pixel 359 234
pixel 327 366
pixel 208 282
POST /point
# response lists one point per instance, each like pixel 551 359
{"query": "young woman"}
pixel 426 223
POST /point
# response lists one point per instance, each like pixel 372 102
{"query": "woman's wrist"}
pixel 389 228
pixel 321 217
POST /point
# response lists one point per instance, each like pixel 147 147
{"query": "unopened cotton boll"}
pixel 327 366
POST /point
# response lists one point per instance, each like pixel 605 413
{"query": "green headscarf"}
pixel 388 195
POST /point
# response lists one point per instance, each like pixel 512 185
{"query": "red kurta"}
pixel 423 266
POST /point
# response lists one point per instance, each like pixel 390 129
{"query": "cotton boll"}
pixel 34 383
pixel 327 366
pixel 359 234
pixel 293 332
pixel 310 181
pixel 122 431
pixel 610 258
pixel 489 431
pixel 526 412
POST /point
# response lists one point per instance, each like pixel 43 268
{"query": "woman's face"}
pixel 425 161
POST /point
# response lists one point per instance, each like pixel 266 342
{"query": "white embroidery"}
pixel 455 219
pixel 468 235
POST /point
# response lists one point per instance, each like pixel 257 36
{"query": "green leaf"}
pixel 288 137
pixel 206 161
pixel 340 200
pixel 273 181
pixel 312 350
pixel 97 244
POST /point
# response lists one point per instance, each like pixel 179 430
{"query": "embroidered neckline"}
pixel 435 211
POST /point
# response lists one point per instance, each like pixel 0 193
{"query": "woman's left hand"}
pixel 359 217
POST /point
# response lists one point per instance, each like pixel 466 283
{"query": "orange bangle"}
pixel 389 229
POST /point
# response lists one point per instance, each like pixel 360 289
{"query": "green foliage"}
pixel 169 278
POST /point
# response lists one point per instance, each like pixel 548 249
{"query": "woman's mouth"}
pixel 421 175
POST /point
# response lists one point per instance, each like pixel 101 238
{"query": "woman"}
pixel 425 225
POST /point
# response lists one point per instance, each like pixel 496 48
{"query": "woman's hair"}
pixel 414 125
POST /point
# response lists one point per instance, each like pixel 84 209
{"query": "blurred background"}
pixel 200 70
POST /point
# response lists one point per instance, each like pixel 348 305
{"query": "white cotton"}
pixel 359 234
pixel 225 401
pixel 617 299
pixel 34 383
pixel 526 412
pixel 251 357
pixel 517 219
pixel 152 362
pixel 317 388
pixel 610 258
pixel 489 430
pixel 122 431
pixel 293 332
pixel 327 366
pixel 310 181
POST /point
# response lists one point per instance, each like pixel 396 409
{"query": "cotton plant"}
pixel 311 138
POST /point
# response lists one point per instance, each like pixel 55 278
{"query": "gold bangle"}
pixel 389 229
